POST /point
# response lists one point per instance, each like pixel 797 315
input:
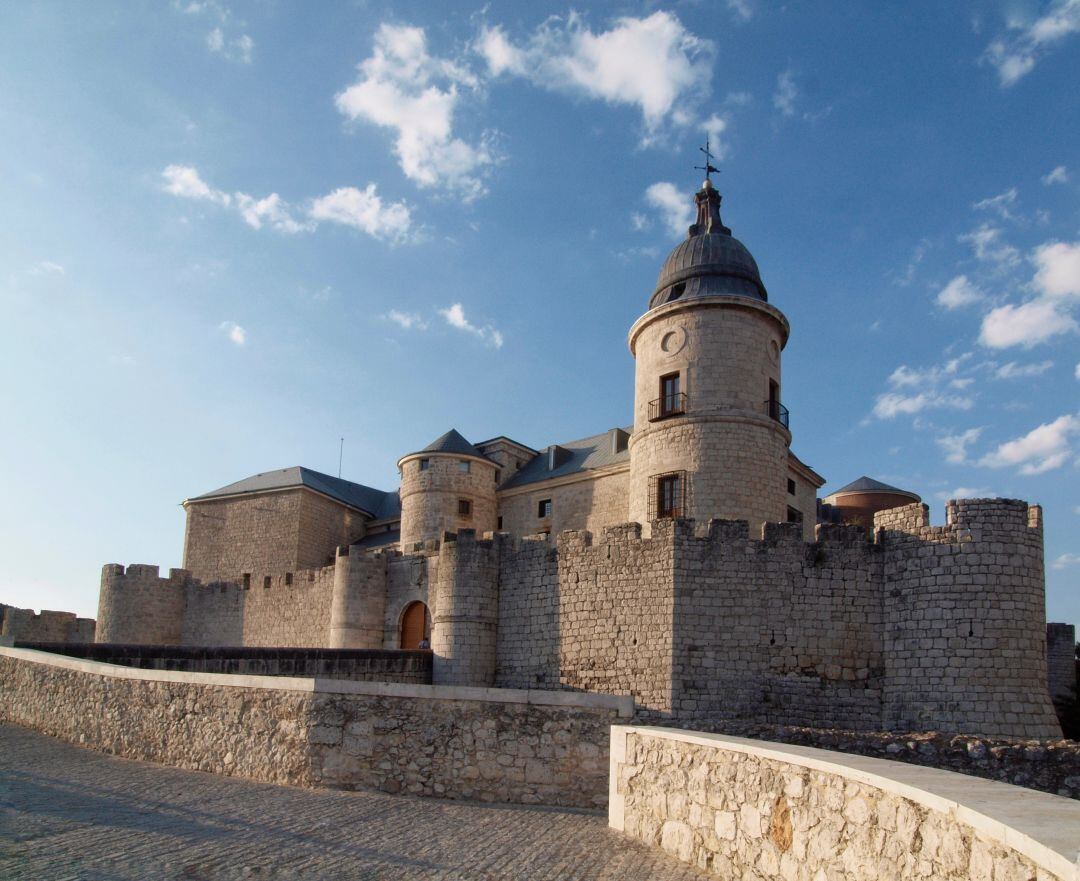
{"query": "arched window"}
pixel 415 626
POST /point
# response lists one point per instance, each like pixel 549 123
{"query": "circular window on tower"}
pixel 673 342
pixel 774 351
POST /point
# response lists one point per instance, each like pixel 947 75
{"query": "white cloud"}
pixel 233 48
pixel 714 128
pixel 364 210
pixel 988 246
pixel 653 64
pixel 1077 374
pixel 956 445
pixel 999 204
pixel 1059 175
pixel 1042 449
pixel 1012 370
pixel 675 208
pixel 1015 55
pixel 455 317
pixel 1065 560
pixel 404 88
pixel 1025 325
pixel 958 293
pixel 1058 269
pixel 235 332
pixel 407 320
pixel 638 221
pixel 786 93
pixel 45 267
pixel 743 9
pixel 360 209
pixel 184 181
pixel 966 492
pixel 916 389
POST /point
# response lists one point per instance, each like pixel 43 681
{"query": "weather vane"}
pixel 708 167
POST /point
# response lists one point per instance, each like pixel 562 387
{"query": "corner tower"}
pixel 710 437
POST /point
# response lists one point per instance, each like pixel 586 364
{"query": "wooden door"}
pixel 413 626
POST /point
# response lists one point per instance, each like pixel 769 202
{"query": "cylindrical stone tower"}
pixel 710 434
pixel 359 600
pixel 463 635
pixel 449 485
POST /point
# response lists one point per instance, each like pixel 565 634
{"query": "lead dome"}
pixel 710 262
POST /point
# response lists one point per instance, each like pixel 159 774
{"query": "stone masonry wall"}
pixel 591 504
pixel 1061 661
pixel 26 625
pixel 429 498
pixel 964 620
pixel 736 813
pixel 464 743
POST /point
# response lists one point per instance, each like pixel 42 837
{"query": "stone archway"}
pixel 415 626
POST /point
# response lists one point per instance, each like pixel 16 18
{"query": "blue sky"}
pixel 236 232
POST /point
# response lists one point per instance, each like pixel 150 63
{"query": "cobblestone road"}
pixel 68 813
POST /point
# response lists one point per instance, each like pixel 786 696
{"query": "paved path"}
pixel 68 813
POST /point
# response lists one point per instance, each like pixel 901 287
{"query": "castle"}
pixel 685 560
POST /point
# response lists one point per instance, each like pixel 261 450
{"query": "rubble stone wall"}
pixel 26 625
pixel 744 809
pixel 533 748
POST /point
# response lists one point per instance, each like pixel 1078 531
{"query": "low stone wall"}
pixel 357 665
pixel 744 809
pixel 528 747
pixel 1046 765
pixel 20 624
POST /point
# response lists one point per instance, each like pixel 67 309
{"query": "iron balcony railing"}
pixel 775 410
pixel 667 406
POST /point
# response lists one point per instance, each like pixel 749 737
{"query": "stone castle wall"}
pixel 26 625
pixel 591 503
pixel 429 498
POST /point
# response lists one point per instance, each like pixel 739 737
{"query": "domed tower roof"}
pixel 711 262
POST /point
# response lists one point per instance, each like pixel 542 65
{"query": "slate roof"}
pixel 585 454
pixel 375 502
pixel 868 485
pixel 378 540
pixel 453 442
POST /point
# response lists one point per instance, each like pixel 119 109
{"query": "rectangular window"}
pixel 425 464
pixel 498 474
pixel 464 508
pixel 670 398
pixel 791 487
pixel 266 581
pixel 288 579
pixel 669 496
pixel 463 466
pixel 543 509
pixel 794 516
pixel 499 525
pixel 247 581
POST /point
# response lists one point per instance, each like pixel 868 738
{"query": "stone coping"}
pixel 1042 827
pixel 622 704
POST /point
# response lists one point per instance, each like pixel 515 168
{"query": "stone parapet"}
pixel 486 744
pixel 738 808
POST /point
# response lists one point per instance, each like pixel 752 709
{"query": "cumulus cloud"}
pixel 1042 449
pixel 363 209
pixel 913 390
pixel 988 246
pixel 1025 325
pixel 675 208
pixel 786 93
pixel 653 64
pixel 407 320
pixel 958 293
pixel 1012 370
pixel 1058 269
pixel 1065 560
pixel 1059 175
pixel 956 445
pixel 1015 55
pixel 455 317
pixel 404 88
pixel 236 334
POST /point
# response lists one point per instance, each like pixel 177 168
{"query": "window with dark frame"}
pixel 793 515
pixel 543 509
pixel 266 581
pixel 463 466
pixel 667 496
pixel 499 524
pixel 791 487
pixel 425 464
pixel 464 508
pixel 670 399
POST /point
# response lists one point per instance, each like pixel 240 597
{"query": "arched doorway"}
pixel 414 626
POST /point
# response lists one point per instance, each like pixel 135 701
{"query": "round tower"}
pixel 447 486
pixel 710 434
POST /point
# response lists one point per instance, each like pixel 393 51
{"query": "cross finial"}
pixel 708 167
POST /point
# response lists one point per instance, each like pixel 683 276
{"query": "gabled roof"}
pixel 364 498
pixel 509 440
pixel 585 454
pixel 868 485
pixel 453 442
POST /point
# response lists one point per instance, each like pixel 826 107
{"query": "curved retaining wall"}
pixel 746 809
pixel 530 747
